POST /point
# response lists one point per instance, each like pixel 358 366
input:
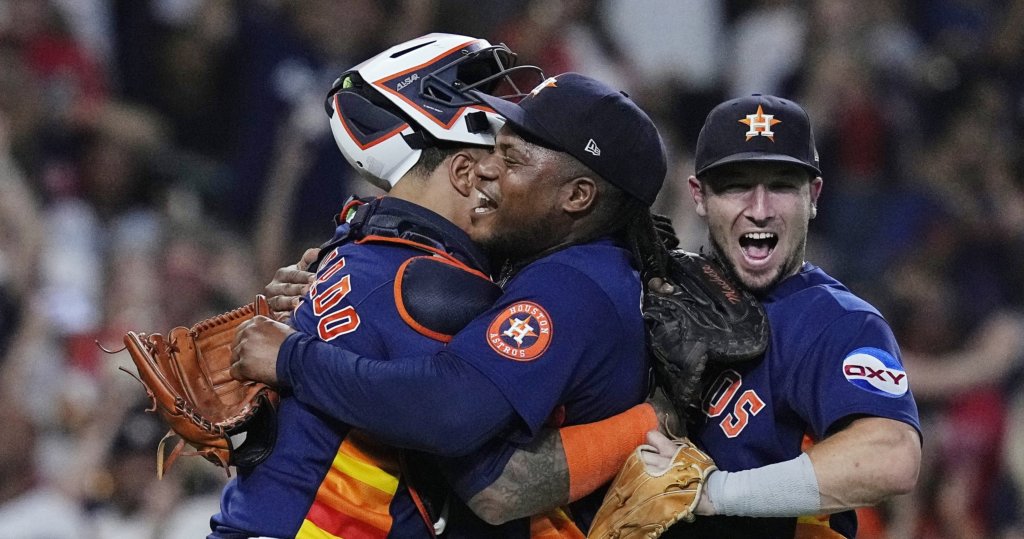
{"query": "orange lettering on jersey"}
pixel 748 405
pixel 333 322
pixel 521 332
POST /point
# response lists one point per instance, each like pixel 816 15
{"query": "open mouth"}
pixel 758 245
pixel 485 204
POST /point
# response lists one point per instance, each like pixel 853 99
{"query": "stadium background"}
pixel 160 158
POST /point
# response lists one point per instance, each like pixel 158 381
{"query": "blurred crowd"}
pixel 160 158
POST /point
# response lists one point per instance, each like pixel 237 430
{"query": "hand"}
pixel 661 286
pixel 660 460
pixel 704 506
pixel 290 284
pixel 254 352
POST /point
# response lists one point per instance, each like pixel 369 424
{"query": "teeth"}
pixel 481 209
pixel 484 199
pixel 759 235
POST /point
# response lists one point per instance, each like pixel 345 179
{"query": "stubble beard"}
pixel 515 242
pixel 789 267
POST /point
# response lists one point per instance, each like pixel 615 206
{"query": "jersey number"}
pixel 333 323
pixel 721 392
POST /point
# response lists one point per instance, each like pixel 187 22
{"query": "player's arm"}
pixel 558 467
pixel 437 404
pixel 867 462
pixel 869 447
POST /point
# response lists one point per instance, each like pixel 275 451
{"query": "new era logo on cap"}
pixel 592 148
pixel 756 128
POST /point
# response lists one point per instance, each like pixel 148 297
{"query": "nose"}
pixel 760 209
pixel 487 169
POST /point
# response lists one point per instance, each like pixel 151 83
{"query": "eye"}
pixel 784 187
pixel 726 188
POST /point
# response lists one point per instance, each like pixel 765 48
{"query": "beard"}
pixel 516 244
pixel 760 289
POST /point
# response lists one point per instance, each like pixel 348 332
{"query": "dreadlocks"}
pixel 630 221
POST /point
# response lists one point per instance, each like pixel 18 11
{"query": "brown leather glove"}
pixel 187 376
pixel 644 500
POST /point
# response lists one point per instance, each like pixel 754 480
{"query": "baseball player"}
pixel 832 372
pixel 326 479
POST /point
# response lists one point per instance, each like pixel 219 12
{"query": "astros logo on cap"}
pixel 760 124
pixel 521 331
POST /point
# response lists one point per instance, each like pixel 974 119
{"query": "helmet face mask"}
pixel 490 70
pixel 384 111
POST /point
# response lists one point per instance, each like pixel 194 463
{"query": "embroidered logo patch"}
pixel 521 331
pixel 876 371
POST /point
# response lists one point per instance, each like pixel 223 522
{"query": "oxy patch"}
pixel 521 331
pixel 876 371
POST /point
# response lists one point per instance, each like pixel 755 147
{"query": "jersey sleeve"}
pixel 549 330
pixel 854 368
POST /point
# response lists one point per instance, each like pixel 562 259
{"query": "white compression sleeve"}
pixel 784 489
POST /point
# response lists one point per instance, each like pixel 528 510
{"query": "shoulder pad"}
pixel 438 297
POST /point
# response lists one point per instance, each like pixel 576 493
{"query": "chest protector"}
pixel 437 293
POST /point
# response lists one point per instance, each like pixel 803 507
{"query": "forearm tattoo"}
pixel 535 480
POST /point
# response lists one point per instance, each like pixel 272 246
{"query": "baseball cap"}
pixel 600 126
pixel 756 128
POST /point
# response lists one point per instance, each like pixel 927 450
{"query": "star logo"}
pixel 519 329
pixel 548 83
pixel 760 124
pixel 520 332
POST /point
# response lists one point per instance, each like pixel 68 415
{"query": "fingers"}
pixel 236 350
pixel 240 332
pixel 284 298
pixel 655 462
pixel 286 290
pixel 292 275
pixel 308 258
pixel 663 443
pixel 659 285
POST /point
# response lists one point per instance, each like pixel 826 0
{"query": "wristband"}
pixel 784 489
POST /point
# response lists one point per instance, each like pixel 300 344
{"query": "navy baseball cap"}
pixel 756 128
pixel 600 126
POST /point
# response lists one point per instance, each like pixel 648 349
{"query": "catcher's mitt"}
pixel 706 318
pixel 187 376
pixel 644 502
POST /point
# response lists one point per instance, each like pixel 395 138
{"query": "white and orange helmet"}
pixel 384 111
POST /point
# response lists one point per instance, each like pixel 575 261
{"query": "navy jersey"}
pixel 564 344
pixel 324 479
pixel 567 336
pixel 832 357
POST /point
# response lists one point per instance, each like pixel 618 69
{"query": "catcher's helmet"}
pixel 384 111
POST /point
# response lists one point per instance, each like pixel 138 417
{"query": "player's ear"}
pixel 697 192
pixel 816 185
pixel 460 170
pixel 578 194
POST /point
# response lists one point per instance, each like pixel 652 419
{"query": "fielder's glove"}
pixel 707 317
pixel 186 375
pixel 644 501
